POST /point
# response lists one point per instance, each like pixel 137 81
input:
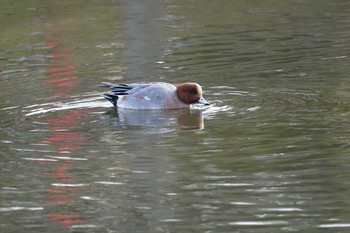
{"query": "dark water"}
pixel 271 154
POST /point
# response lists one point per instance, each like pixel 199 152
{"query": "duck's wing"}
pixel 120 89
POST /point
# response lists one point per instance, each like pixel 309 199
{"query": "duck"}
pixel 154 95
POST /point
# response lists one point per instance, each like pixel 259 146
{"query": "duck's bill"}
pixel 203 101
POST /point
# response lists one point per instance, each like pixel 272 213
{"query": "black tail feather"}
pixel 116 90
pixel 118 87
pixel 110 97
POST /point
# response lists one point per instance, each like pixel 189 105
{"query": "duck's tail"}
pixel 110 97
pixel 116 90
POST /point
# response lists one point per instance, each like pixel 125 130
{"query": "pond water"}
pixel 271 153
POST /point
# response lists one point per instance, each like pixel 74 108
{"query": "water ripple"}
pixel 109 183
pixel 258 223
pixel 92 102
pixel 335 225
pixel 69 185
pixel 17 208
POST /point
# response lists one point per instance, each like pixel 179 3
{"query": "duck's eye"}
pixel 193 92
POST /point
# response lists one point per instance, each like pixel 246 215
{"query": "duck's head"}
pixel 190 93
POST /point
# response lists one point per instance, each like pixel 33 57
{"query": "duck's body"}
pixel 156 95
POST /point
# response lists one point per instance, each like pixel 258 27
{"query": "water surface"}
pixel 271 153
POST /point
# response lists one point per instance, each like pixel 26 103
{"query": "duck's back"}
pixel 157 95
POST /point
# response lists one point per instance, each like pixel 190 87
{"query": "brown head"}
pixel 190 93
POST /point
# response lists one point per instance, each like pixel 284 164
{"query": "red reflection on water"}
pixel 52 42
pixel 58 69
pixel 58 55
pixel 65 142
pixel 61 74
pixel 59 175
pixel 63 192
pixel 66 219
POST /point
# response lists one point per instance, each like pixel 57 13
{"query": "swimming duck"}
pixel 155 95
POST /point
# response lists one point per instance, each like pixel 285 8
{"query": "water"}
pixel 269 155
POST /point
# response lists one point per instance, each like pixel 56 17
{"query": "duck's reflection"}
pixel 181 119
